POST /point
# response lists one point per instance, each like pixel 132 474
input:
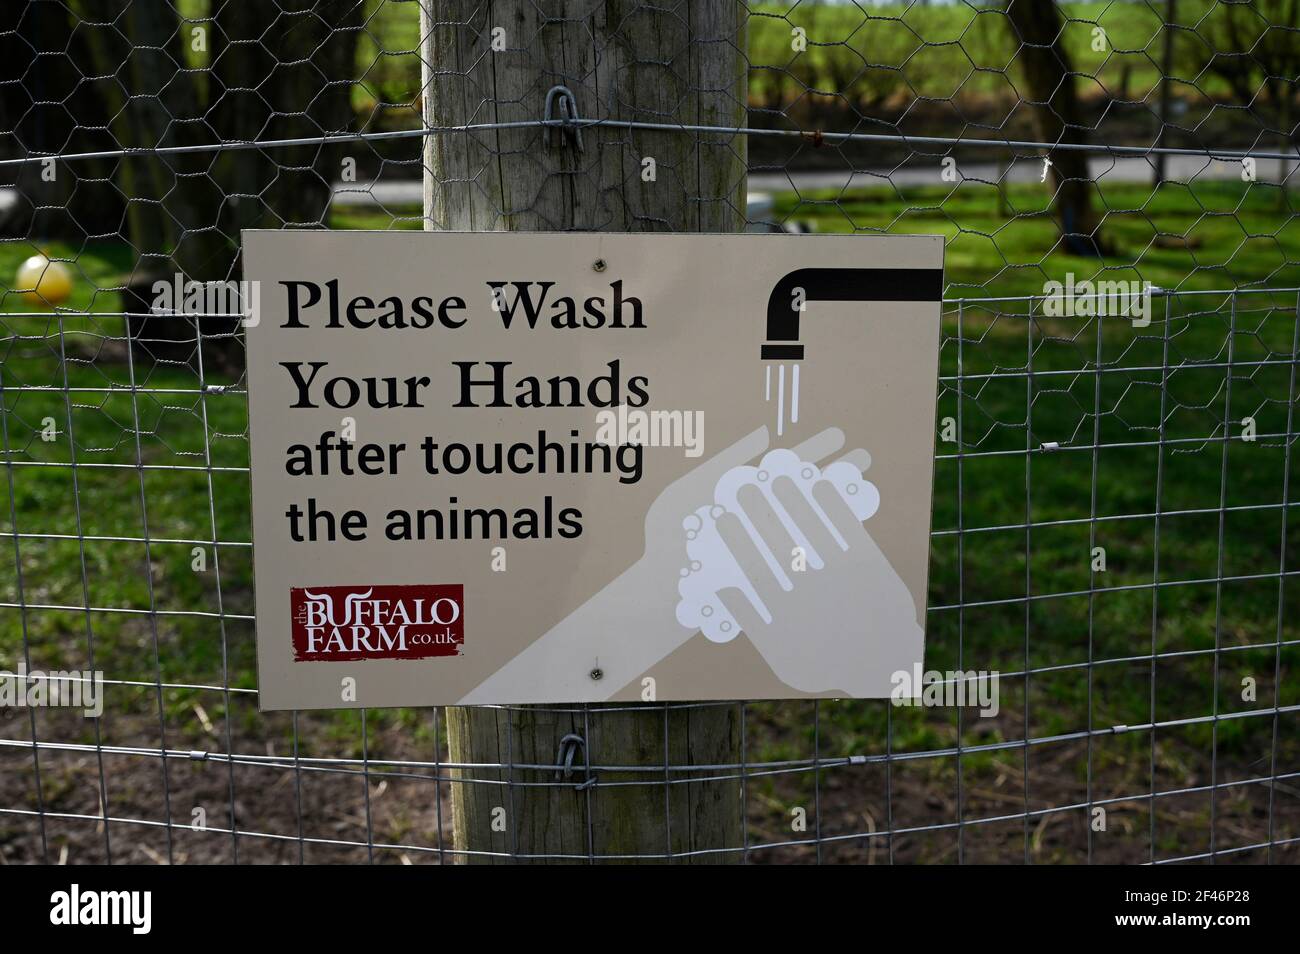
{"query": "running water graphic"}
pixel 788 302
pixel 781 395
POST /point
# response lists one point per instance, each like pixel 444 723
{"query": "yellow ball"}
pixel 43 283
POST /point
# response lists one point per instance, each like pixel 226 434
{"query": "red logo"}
pixel 345 623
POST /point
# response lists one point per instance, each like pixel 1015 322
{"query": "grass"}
pixel 1077 500
pixel 1197 236
pixel 1177 236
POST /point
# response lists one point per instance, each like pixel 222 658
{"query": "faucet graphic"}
pixel 789 299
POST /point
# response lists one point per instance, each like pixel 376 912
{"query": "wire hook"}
pixel 569 746
pixel 568 116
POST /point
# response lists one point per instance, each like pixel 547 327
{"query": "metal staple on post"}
pixel 570 745
pixel 570 121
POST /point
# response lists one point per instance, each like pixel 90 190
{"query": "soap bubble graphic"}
pixel 713 567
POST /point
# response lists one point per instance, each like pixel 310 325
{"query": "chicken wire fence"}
pixel 1111 529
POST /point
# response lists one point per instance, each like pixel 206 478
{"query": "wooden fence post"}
pixel 623 60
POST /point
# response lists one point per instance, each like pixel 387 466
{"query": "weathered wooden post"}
pixel 676 64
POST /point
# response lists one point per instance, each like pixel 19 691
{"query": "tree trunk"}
pixel 134 50
pixel 49 107
pixel 1166 72
pixel 282 71
pixel 266 66
pixel 622 60
pixel 1058 118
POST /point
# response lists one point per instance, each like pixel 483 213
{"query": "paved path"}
pixel 913 173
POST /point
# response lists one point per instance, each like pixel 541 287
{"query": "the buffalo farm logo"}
pixel 347 623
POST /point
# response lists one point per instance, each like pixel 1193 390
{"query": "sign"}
pixel 522 468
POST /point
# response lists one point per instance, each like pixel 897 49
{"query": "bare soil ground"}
pixel 851 808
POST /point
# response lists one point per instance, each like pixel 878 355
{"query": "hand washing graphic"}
pixel 743 542
pixel 706 546
pixel 771 542
pixel 845 624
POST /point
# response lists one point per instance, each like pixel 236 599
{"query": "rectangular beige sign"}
pixel 515 468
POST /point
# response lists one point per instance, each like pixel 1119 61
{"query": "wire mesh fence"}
pixel 1111 529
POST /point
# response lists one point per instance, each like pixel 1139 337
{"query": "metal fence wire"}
pixel 1111 530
